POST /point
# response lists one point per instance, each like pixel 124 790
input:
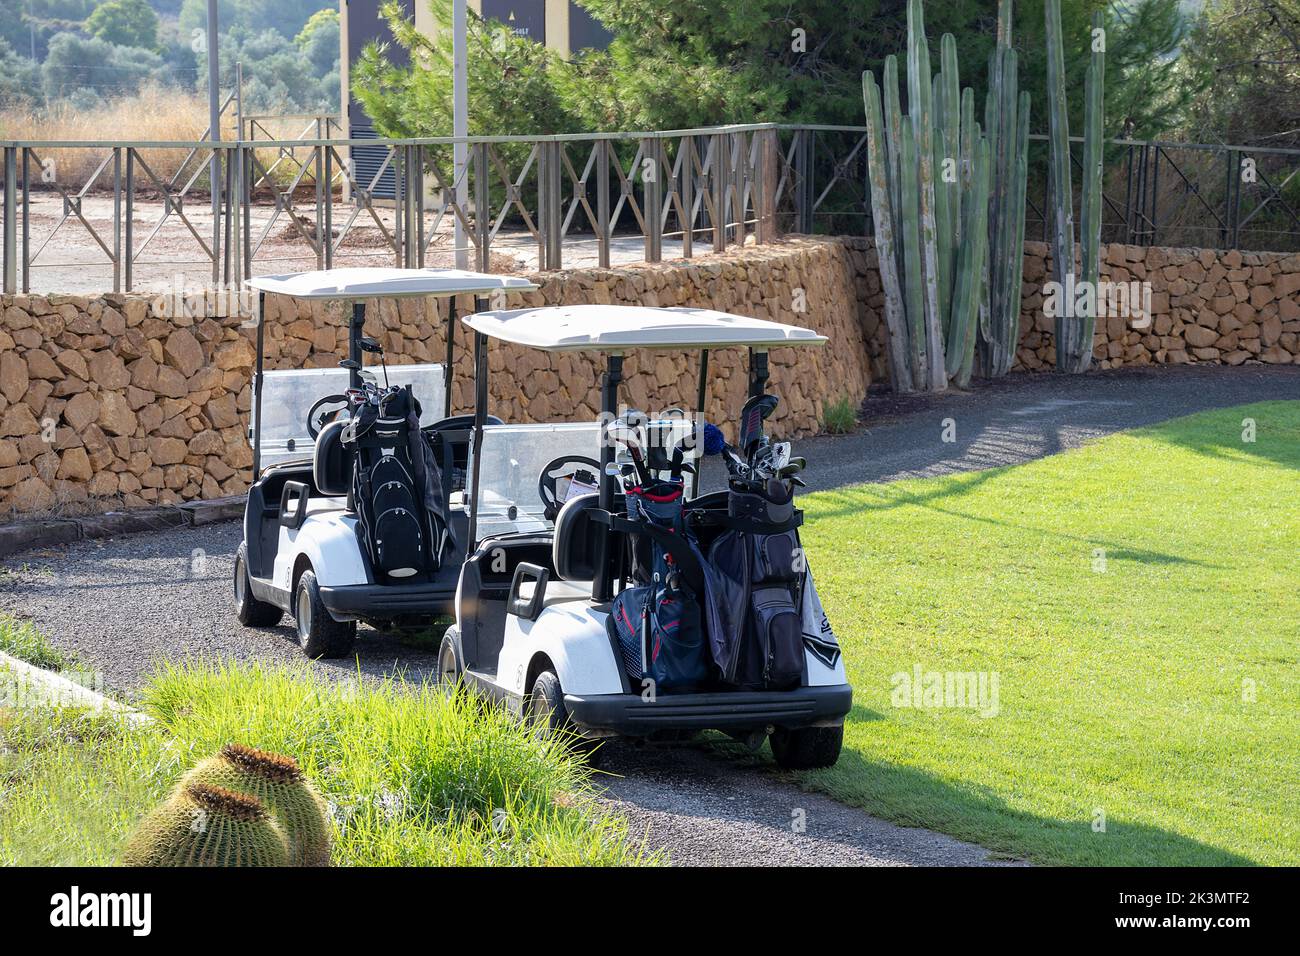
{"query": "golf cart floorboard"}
pixel 390 599
pixel 714 710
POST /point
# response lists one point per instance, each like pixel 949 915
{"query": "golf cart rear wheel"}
pixel 451 671
pixel 807 748
pixel 249 610
pixel 548 716
pixel 319 635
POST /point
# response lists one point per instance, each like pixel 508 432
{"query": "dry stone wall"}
pixel 1206 306
pixel 126 401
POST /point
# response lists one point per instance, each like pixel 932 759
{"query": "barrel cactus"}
pixel 207 826
pixel 278 783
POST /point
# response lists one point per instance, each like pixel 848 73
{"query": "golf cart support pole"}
pixel 603 586
pixel 257 389
pixel 355 331
pixel 451 348
pixel 701 396
pixel 480 418
pixel 757 372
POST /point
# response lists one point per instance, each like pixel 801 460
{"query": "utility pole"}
pixel 460 123
pixel 214 132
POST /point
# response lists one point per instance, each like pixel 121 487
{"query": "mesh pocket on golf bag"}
pixel 399 542
pixel 399 538
pixel 659 634
pixel 778 626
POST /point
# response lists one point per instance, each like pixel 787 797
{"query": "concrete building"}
pixel 560 24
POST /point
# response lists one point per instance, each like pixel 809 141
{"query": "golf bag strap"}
pixel 674 545
pixel 749 525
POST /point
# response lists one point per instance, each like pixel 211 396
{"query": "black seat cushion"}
pixel 577 538
pixel 332 462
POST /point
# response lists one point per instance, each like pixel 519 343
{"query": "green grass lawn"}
pixel 413 778
pixel 1159 688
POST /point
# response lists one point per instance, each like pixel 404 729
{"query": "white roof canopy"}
pixel 614 328
pixel 371 283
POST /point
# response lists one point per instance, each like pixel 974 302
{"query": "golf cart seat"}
pixel 557 592
pixel 332 462
pixel 575 550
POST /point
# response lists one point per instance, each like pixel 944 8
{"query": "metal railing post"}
pixel 399 205
pixel 11 220
pixel 602 203
pixel 1236 198
pixel 417 201
pixel 1155 199
pixel 318 167
pixel 246 161
pixel 27 221
pixel 482 206
pixel 117 219
pixel 739 178
pixel 235 210
pixel 549 206
pixel 764 186
pixel 652 187
pixel 128 227
pixel 686 193
pixel 803 181
pixel 214 188
pixel 719 170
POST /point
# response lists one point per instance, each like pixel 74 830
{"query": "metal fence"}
pixel 1155 193
pixel 606 195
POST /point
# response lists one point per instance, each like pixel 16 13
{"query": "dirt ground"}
pixel 67 258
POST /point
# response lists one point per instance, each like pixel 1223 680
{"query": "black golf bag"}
pixel 396 490
pixel 757 575
pixel 656 622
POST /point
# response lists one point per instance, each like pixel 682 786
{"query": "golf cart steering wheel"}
pixel 556 469
pixel 316 422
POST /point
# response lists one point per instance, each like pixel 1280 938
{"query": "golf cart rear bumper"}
pixel 722 710
pixel 385 601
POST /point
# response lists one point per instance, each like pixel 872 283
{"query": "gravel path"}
pixel 1023 417
pixel 124 604
pixel 712 808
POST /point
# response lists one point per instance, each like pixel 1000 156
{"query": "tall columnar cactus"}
pixel 207 826
pixel 278 784
pixel 972 261
pixel 883 174
pixel 919 108
pixel 923 168
pixel 1090 207
pixel 1074 332
pixel 1006 122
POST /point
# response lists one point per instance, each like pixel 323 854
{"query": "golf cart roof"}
pixel 374 282
pixel 615 328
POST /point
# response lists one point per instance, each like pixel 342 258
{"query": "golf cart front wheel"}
pixel 807 748
pixel 549 718
pixel 319 635
pixel 451 671
pixel 249 610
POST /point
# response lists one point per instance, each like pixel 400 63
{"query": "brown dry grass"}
pixel 154 114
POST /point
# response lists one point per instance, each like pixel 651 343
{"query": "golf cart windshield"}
pixel 512 461
pixel 288 395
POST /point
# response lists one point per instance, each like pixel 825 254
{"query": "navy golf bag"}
pixel 757 574
pixel 656 621
pixel 395 488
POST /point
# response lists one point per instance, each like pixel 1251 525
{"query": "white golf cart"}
pixel 305 548
pixel 534 628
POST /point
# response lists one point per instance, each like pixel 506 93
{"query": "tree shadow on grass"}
pixel 1273 428
pixel 911 797
pixel 965 484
